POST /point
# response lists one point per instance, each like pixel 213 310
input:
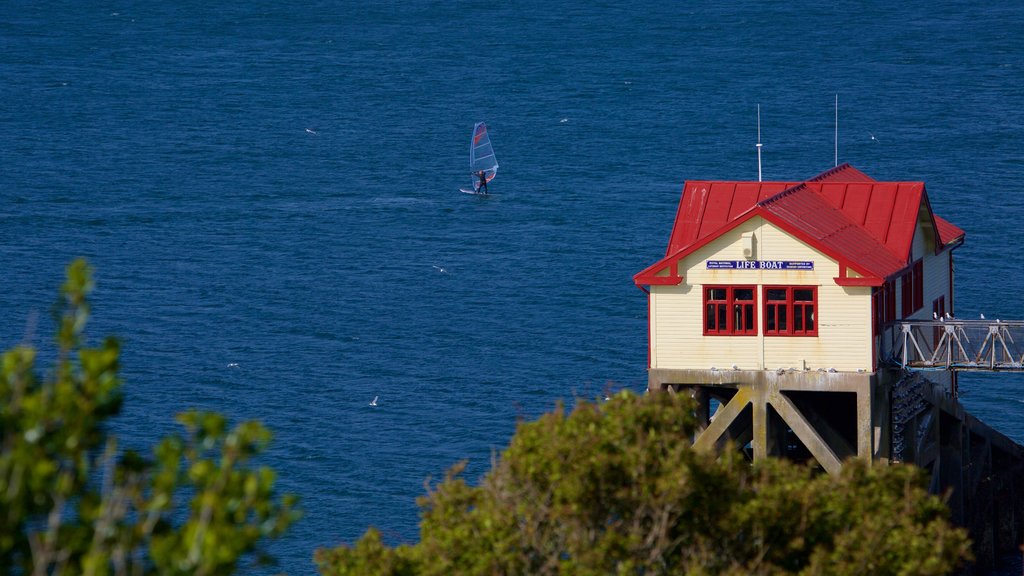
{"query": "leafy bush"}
pixel 70 502
pixel 615 488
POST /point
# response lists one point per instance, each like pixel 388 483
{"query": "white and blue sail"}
pixel 481 155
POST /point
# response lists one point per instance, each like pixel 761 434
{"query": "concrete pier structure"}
pixel 800 415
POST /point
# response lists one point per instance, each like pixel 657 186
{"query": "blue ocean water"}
pixel 275 186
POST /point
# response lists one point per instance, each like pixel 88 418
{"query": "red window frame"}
pixel 884 300
pixel 912 283
pixel 876 314
pixel 730 310
pixel 907 291
pixel 918 285
pixel 889 305
pixel 790 310
pixel 890 301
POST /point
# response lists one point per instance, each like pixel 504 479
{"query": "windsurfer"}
pixel 482 187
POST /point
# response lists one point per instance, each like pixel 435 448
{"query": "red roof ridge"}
pixel 842 173
pixel 832 231
pixel 776 197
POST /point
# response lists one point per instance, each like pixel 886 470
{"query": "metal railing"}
pixel 952 344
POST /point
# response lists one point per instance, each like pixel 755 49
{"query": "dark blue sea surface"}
pixel 269 194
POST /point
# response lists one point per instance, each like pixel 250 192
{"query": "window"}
pixel 907 289
pixel 884 301
pixel 918 285
pixel 890 301
pixel 790 310
pixel 913 289
pixel 729 311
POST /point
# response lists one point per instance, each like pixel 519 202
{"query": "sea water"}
pixel 269 194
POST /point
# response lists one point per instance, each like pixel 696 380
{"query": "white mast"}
pixel 758 142
pixel 837 131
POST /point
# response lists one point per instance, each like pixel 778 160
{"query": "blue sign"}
pixel 760 265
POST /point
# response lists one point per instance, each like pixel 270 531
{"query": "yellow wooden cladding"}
pixel 843 315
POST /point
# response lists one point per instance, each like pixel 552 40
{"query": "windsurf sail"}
pixel 481 155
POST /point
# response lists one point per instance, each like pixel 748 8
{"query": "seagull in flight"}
pixel 374 401
pixel 233 365
pixel 441 269
pixel 873 137
pixel 311 131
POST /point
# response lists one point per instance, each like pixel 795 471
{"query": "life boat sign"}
pixel 760 265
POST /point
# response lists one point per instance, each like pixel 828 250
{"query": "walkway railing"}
pixel 951 344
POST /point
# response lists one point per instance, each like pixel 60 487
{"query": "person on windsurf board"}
pixel 481 186
pixel 483 165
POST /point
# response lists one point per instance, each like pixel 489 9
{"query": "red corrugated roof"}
pixel 867 224
pixel 948 232
pixel 810 217
pixel 701 212
pixel 886 210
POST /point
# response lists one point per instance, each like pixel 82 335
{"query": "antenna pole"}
pixel 837 132
pixel 758 142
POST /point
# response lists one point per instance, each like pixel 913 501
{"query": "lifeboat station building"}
pixel 774 308
pixel 785 310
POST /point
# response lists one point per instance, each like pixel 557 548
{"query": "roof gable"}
pixel 834 236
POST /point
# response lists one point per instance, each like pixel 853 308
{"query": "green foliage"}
pixel 70 503
pixel 615 488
